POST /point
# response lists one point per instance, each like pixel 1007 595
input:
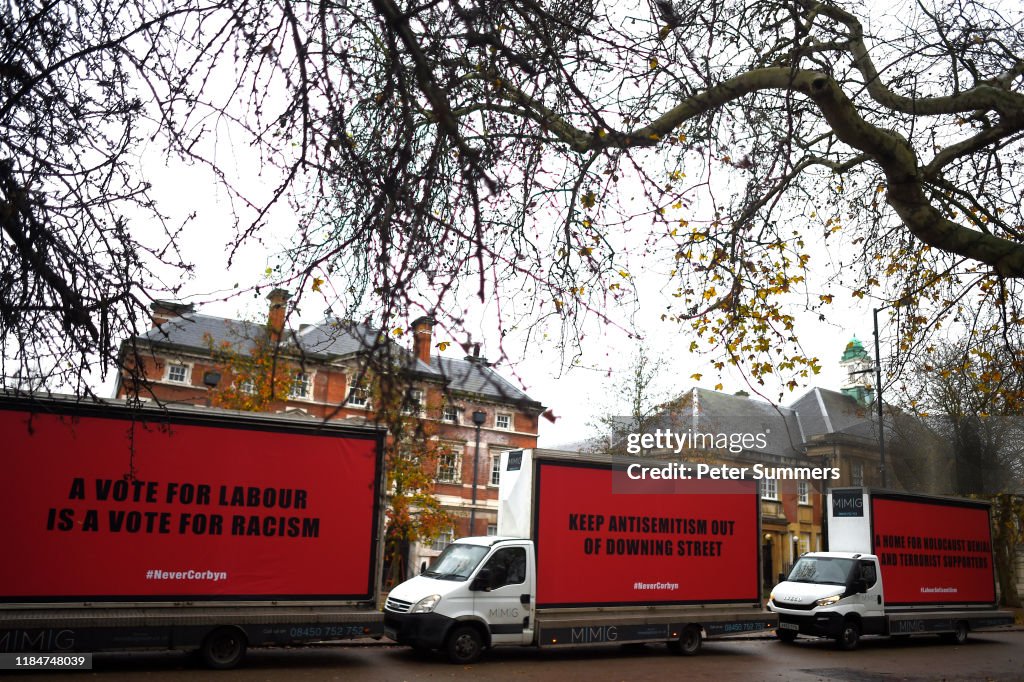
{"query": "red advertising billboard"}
pixel 598 544
pixel 933 551
pixel 100 507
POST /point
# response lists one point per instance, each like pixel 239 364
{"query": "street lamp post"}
pixel 478 420
pixel 878 399
pixel 878 380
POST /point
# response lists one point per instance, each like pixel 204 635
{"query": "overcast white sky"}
pixel 577 394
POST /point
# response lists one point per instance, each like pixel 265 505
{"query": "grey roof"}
pixel 783 429
pixel 823 411
pixel 474 377
pixel 334 339
pixel 199 332
pixel 725 413
pixel 340 338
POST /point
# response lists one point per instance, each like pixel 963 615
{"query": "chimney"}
pixel 162 311
pixel 278 307
pixel 475 357
pixel 422 330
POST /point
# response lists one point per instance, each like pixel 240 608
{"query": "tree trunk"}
pixel 1006 533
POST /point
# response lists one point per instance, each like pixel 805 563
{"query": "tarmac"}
pixel 1018 625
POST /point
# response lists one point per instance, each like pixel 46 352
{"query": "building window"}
pixel 770 490
pixel 449 466
pixel 178 373
pixel 446 538
pixel 492 529
pixel 359 396
pixel 300 386
pixel 503 421
pixel 857 473
pixel 247 386
pixel 450 414
pixel 413 402
pixel 495 478
pixel 803 493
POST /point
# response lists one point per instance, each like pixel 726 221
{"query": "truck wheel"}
pixel 689 642
pixel 223 648
pixel 464 645
pixel 787 636
pixel 959 634
pixel 849 636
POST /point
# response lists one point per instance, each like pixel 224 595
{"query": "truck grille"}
pixel 794 606
pixel 397 605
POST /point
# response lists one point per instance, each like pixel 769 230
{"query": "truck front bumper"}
pixel 829 624
pixel 426 630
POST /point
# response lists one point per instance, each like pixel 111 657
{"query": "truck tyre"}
pixel 959 634
pixel 689 642
pixel 223 649
pixel 849 636
pixel 464 644
pixel 787 636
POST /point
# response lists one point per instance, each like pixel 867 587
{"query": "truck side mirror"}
pixel 859 586
pixel 482 581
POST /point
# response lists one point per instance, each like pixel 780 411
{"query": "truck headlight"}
pixel 771 597
pixel 426 605
pixel 828 601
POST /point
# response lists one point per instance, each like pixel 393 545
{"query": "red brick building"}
pixel 178 359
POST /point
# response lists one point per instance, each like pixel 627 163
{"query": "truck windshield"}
pixel 456 562
pixel 822 570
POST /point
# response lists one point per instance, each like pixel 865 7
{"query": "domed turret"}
pixel 859 372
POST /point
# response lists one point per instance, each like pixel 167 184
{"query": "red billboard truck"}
pixel 592 550
pixel 185 528
pixel 898 564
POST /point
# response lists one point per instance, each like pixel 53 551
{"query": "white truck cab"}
pixel 831 594
pixel 476 594
pixel 525 587
pixel 935 554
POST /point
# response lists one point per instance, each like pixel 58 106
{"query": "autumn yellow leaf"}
pixel 696 377
pixel 443 346
pixel 398 331
pixel 588 200
pixel 317 283
pixel 653 63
